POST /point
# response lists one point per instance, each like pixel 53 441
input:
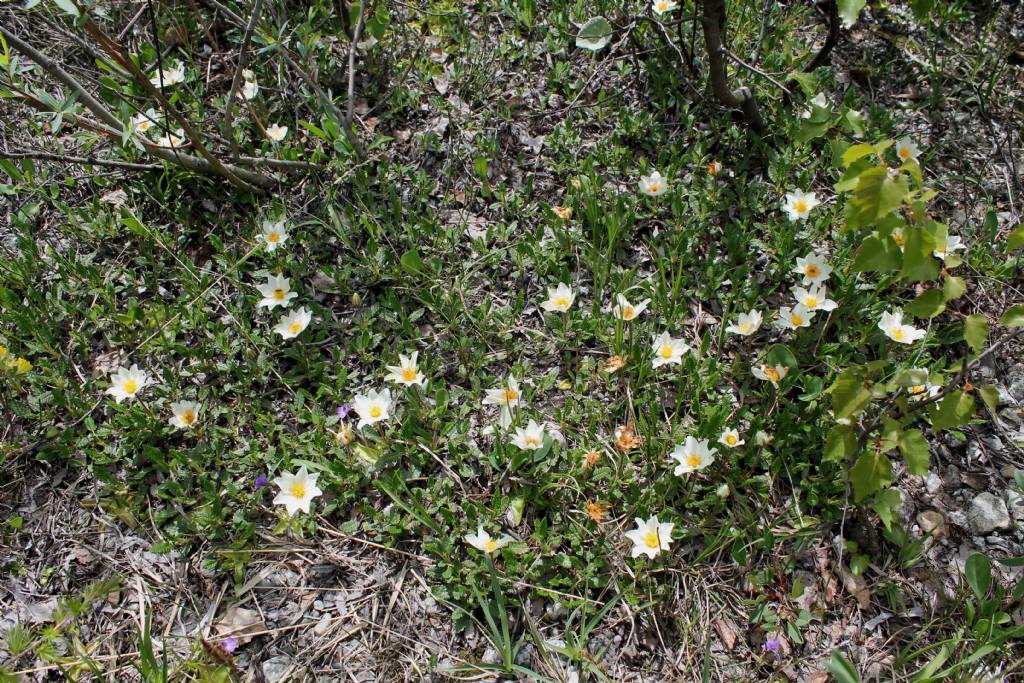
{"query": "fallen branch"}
pixel 85 161
pixel 832 16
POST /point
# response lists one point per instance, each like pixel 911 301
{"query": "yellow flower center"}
pixel 812 270
pixel 796 320
pixel 800 206
pixel 188 417
pixel 273 237
pixel 917 389
pixel 651 539
pixel 511 395
pixel 295 327
pixel 666 351
pixel 897 333
pixel 409 374
pixel 904 152
pixel 662 6
pixel 130 386
pixel 811 302
pixel 731 439
pixel 376 411
pixel 654 187
pixel 561 302
pixel 772 373
pixel 298 490
pixel 743 327
pixel 897 237
pixel 628 313
pixel 490 544
pixel 693 460
pixel 279 294
pixel 532 441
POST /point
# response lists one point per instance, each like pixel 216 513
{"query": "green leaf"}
pixel 412 262
pixel 928 304
pixel 877 194
pixel 976 331
pixel 780 354
pixel 871 472
pixel 955 409
pixel 877 254
pixel 807 82
pixel 1014 316
pixel 849 395
pixel 886 504
pixel 918 263
pixel 67 6
pixel 594 34
pixel 840 445
pixel 953 288
pixel 1015 240
pixel 978 572
pixel 849 10
pixel 914 448
pixel 840 667
pixel 990 395
pixel 855 152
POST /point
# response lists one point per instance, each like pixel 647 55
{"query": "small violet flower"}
pixel 774 645
pixel 229 644
pixel 260 482
pixel 343 411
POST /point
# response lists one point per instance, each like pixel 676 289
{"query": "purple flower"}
pixel 260 482
pixel 343 411
pixel 229 644
pixel 774 645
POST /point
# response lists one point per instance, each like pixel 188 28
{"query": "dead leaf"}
pixel 240 623
pixel 116 198
pixel 856 586
pixel 728 632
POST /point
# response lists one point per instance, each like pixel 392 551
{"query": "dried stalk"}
pixel 243 53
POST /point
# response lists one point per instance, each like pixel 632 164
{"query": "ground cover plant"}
pixel 644 338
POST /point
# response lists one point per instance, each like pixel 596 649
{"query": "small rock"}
pixel 276 668
pixel 932 483
pixel 857 587
pixel 1015 503
pixel 932 522
pixel 491 656
pixel 987 513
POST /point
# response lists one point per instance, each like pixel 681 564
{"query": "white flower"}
pixel 692 455
pixel 249 87
pixel 507 397
pixel 529 439
pixel 922 391
pixel 798 204
pixel 662 6
pixel 125 383
pixel 892 324
pixel 560 298
pixel 297 490
pixel 482 540
pixel 650 537
pixel 274 234
pixel 372 407
pixel 172 75
pixel 668 350
pixel 814 268
pixel 770 373
pixel 143 121
pixel 897 237
pixel 723 491
pixel 792 318
pixel 277 133
pixel 731 438
pixel 953 243
pixel 276 292
pixel 818 101
pixel 627 311
pixel 814 299
pixel 292 324
pixel 173 140
pixel 185 414
pixel 407 372
pixel 906 149
pixel 747 323
pixel 653 185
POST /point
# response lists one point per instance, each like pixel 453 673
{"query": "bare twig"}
pixel 243 53
pixel 832 16
pixel 350 112
pixel 85 161
pixel 741 98
pixel 754 70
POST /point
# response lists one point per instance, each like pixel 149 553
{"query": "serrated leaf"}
pixel 978 572
pixel 807 82
pixel 855 152
pixel 849 395
pixel 928 304
pixel 840 445
pixel 877 194
pixel 914 448
pixel 954 410
pixel 1014 316
pixel 877 254
pixel 886 504
pixel 594 34
pixel 849 10
pixel 976 332
pixel 870 473
pixel 918 264
pixel 1015 240
pixel 953 288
